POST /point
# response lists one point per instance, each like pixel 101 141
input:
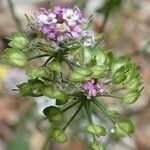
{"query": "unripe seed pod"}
pixel 96 146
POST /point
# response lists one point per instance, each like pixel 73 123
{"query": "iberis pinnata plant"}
pixel 75 71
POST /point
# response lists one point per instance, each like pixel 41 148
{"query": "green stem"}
pixel 77 111
pixel 17 22
pixel 38 56
pixel 87 106
pixel 103 109
pixel 70 106
pixel 46 62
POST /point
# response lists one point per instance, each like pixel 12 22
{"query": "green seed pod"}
pixel 108 58
pixel 18 40
pixel 55 66
pixel 119 75
pixel 60 96
pixel 59 135
pixel 48 49
pixel 99 56
pixel 131 97
pixel 133 84
pixel 84 71
pixel 97 146
pixel 25 89
pixel 54 114
pixel 37 73
pixel 48 91
pixel 96 130
pixel 15 57
pixel 113 113
pixel 37 87
pixel 117 63
pixel 76 77
pixel 98 71
pixel 124 128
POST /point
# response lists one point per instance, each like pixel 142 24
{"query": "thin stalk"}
pixel 77 111
pixel 70 106
pixel 101 107
pixel 16 20
pixel 87 106
pixel 38 56
pixel 46 62
pixel 83 55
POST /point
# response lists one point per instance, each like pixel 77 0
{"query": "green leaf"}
pixel 96 130
pixel 124 128
pixel 54 114
pixel 131 97
pixel 18 40
pixel 37 73
pixel 15 57
pixel 96 146
pixel 59 135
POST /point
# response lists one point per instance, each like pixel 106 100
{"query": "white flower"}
pixel 52 18
pixel 42 18
pixel 70 15
pixel 62 27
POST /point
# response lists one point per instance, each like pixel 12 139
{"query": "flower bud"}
pixel 96 130
pixel 37 73
pixel 76 77
pixel 55 66
pixel 25 89
pixel 18 40
pixel 96 146
pixel 15 57
pixel 131 97
pixel 59 135
pixel 54 114
pixel 124 128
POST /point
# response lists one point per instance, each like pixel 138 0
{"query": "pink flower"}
pixel 93 88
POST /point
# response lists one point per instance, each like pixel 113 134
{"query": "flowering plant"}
pixel 76 71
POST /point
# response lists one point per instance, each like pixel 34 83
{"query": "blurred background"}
pixel 125 25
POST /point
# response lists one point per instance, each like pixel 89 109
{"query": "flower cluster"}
pixel 93 88
pixel 61 23
pixel 91 71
